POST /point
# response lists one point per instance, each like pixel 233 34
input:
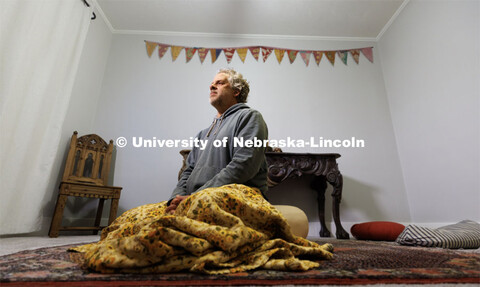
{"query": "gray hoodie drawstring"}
pixel 213 124
pixel 211 127
pixel 219 124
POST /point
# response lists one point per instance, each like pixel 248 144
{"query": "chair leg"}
pixel 98 218
pixel 113 210
pixel 57 216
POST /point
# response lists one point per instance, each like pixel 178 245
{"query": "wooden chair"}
pixel 86 175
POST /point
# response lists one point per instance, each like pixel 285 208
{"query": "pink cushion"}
pixel 377 230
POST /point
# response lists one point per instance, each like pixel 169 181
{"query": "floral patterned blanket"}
pixel 215 231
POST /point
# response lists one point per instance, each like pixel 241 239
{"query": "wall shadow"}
pixel 358 199
pixel 361 201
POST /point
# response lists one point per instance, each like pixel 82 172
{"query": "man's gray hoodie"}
pixel 217 166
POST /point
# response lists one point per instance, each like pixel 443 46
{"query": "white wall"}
pixel 148 97
pixel 430 61
pixel 424 79
pixel 80 116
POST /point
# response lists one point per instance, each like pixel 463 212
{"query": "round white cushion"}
pixel 296 218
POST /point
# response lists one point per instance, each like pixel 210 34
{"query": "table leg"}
pixel 320 185
pixel 336 180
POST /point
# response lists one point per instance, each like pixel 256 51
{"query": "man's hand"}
pixel 174 203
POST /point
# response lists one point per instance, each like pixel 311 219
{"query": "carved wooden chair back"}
pixel 88 160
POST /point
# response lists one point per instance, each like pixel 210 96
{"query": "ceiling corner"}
pixel 392 19
pixel 104 17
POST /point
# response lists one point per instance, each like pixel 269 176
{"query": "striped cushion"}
pixel 465 234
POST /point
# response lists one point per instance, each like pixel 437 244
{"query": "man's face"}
pixel 222 95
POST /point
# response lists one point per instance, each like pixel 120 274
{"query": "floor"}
pixel 10 245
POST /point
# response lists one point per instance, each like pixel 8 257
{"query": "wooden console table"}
pixel 324 167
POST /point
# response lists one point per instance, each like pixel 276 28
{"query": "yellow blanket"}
pixel 215 231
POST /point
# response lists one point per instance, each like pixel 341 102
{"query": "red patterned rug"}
pixel 355 262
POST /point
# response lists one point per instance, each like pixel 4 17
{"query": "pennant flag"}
pixel 150 47
pixel 266 52
pixel 343 56
pixel 367 52
pixel 355 55
pixel 175 52
pixel 229 52
pixel 279 53
pixel 215 53
pixel 162 49
pixel 292 55
pixel 330 56
pixel 189 52
pixel 305 56
pixel 318 56
pixel 242 53
pixel 202 53
pixel 255 51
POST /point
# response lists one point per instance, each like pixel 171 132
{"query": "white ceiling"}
pixel 322 19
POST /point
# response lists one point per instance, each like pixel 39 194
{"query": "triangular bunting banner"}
pixel 202 53
pixel 242 53
pixel 215 53
pixel 266 52
pixel 279 53
pixel 318 56
pixel 330 56
pixel 189 52
pixel 162 49
pixel 343 56
pixel 292 55
pixel 355 55
pixel 150 47
pixel 175 52
pixel 367 52
pixel 305 56
pixel 229 52
pixel 255 51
